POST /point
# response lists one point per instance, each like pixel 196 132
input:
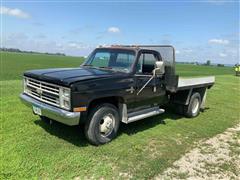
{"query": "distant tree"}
pixel 60 54
pixel 208 63
pixel 10 49
pixel 220 65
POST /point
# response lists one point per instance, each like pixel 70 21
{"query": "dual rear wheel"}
pixel 193 108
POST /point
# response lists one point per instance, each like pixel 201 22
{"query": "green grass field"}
pixel 14 64
pixel 31 148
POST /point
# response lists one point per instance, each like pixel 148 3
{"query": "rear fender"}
pixel 183 96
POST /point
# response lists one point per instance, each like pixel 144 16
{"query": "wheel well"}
pixel 201 91
pixel 115 100
pixel 183 97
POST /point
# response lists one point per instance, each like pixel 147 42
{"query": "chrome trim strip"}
pixel 143 75
pixel 42 100
pixel 42 82
pixel 52 112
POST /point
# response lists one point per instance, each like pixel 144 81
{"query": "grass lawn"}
pixel 31 148
pixel 14 64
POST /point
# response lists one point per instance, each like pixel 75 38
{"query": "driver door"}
pixel 153 93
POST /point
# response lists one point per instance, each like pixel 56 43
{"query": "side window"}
pixel 146 63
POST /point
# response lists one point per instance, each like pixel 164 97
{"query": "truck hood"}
pixel 66 76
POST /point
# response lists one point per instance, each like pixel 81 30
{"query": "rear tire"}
pixel 102 124
pixel 193 108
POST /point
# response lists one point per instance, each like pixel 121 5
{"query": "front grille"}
pixel 42 91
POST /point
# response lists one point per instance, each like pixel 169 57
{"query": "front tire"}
pixel 102 124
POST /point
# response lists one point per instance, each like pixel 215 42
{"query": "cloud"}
pixel 188 50
pixel 113 30
pixel 25 42
pixel 77 45
pixel 16 37
pixel 14 12
pixel 222 55
pixel 177 52
pixel 218 41
pixel 184 50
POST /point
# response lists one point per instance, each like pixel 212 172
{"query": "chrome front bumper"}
pixel 57 114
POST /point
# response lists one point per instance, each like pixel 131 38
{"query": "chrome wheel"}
pixel 195 105
pixel 107 124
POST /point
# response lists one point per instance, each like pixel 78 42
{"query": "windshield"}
pixel 121 60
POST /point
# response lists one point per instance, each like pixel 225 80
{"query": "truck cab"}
pixel 116 84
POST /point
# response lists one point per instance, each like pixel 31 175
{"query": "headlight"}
pixel 66 92
pixel 65 98
pixel 24 85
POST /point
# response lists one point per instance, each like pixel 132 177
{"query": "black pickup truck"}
pixel 116 84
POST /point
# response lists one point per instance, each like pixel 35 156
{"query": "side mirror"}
pixel 159 68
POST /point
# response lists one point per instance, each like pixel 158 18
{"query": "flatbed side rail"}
pixel 186 83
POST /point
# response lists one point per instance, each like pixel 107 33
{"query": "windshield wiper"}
pixel 87 65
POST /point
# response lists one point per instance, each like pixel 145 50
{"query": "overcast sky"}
pixel 198 30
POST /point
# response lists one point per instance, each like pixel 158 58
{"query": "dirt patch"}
pixel 215 158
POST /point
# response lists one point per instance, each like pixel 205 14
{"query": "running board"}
pixel 145 113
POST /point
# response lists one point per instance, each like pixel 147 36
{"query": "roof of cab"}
pixel 135 47
pixel 119 47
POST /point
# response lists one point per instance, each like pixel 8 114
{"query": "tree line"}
pixel 207 63
pixel 30 52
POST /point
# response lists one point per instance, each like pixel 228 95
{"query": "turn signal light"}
pixel 80 109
